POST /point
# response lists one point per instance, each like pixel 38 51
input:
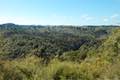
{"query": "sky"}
pixel 60 12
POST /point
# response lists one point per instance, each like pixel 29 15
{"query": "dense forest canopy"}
pixel 36 52
pixel 21 40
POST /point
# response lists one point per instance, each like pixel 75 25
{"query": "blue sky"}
pixel 60 12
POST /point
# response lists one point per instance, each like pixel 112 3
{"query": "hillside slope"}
pixel 95 59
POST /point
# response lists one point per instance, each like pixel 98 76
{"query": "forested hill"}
pixel 13 26
pixel 34 52
pixel 21 40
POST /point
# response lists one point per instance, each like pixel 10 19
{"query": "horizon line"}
pixel 61 24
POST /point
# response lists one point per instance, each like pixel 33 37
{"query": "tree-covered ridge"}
pixel 59 52
pixel 21 40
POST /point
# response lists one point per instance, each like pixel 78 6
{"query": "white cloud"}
pixel 86 17
pixel 53 19
pixel 114 16
pixel 56 19
pixel 105 19
pixel 21 20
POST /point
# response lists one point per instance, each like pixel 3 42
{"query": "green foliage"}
pixel 18 41
pixel 59 52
